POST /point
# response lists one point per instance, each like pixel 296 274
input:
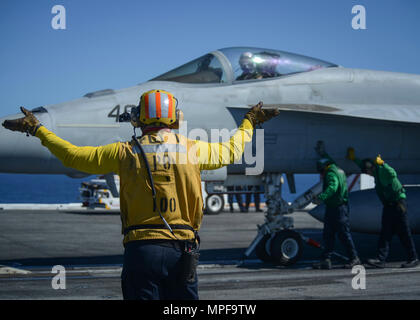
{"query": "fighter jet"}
pixel 373 111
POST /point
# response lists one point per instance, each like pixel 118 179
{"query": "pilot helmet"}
pixel 157 106
pixel 246 62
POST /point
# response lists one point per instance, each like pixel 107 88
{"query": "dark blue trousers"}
pixel 152 272
pixel 238 197
pixel 336 222
pixel 395 221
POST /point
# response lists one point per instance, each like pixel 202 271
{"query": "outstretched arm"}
pixel 216 155
pixel 94 160
pixel 219 154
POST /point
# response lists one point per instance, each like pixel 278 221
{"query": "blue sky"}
pixel 116 44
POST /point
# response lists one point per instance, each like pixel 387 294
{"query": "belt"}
pixel 176 244
pixel 159 226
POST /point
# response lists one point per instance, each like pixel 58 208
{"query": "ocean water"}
pixel 37 188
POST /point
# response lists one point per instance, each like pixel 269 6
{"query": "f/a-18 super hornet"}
pixel 372 111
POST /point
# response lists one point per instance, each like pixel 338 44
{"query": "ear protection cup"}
pixel 135 117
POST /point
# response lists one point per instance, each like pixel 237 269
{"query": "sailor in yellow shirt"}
pixel 160 230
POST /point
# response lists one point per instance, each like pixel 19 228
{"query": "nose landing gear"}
pixel 276 241
pixel 282 248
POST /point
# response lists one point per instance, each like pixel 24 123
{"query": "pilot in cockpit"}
pixel 248 66
pixel 258 66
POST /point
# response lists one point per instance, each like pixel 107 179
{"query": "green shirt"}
pixel 387 185
pixel 335 191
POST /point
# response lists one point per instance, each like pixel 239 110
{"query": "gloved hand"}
pixel 379 160
pixel 257 115
pixel 350 153
pixel 29 123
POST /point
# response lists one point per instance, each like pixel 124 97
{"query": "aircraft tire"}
pixel 261 249
pixel 214 204
pixel 286 247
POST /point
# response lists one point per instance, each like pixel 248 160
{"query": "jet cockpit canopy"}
pixel 229 65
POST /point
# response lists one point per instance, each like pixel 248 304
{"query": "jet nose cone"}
pixel 19 153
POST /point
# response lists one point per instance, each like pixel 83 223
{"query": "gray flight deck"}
pixel 89 245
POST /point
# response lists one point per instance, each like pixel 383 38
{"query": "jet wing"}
pixel 399 113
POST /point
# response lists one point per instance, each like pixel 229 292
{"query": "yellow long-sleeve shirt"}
pixel 177 181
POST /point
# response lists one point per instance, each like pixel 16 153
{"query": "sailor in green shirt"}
pixel 394 213
pixel 336 219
